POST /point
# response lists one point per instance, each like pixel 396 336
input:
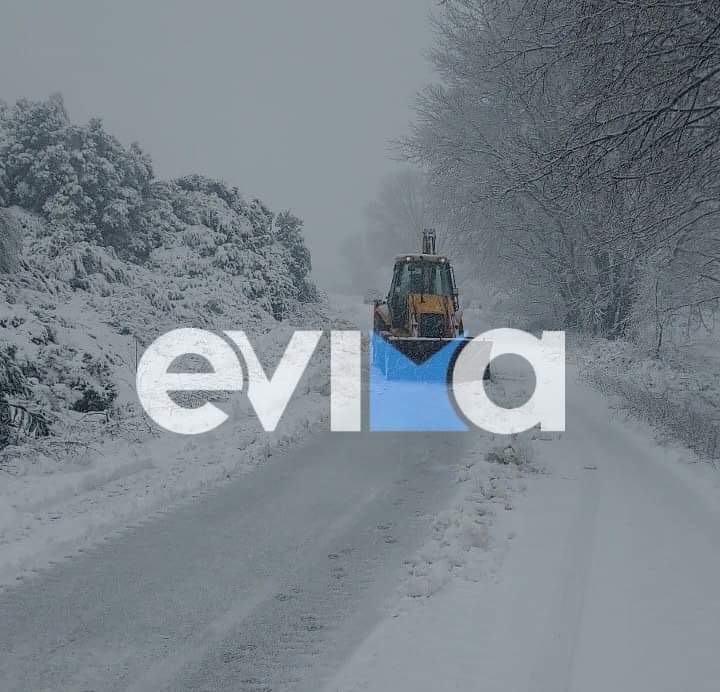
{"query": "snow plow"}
pixel 421 317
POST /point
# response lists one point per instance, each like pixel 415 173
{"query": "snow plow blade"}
pixel 419 349
pixel 417 358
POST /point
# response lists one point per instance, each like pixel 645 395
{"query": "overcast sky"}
pixel 293 101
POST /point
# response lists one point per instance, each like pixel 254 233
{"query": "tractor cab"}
pixel 421 279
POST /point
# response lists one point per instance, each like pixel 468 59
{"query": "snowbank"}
pixel 431 641
pixel 462 535
pixel 678 393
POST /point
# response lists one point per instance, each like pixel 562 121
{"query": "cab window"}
pixel 432 278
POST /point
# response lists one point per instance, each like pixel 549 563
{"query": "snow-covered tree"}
pixel 394 223
pixel 289 235
pixel 573 141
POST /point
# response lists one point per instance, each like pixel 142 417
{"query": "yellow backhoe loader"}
pixel 422 313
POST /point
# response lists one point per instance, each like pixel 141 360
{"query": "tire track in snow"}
pixel 554 669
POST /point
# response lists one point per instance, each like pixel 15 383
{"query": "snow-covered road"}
pixel 610 581
pixel 604 577
pixel 637 605
pixel 272 579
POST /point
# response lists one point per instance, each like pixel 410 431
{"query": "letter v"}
pixel 270 397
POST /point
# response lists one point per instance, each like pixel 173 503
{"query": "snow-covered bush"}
pixel 96 193
pixel 517 452
pixel 13 383
pixel 75 321
pixel 9 243
pixel 678 394
pixel 97 258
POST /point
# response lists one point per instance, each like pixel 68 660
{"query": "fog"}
pixel 293 102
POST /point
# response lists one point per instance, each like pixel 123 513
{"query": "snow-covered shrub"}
pixel 98 258
pixel 9 243
pixel 13 383
pixel 74 320
pixel 94 400
pixel 517 452
pixel 12 379
pixel 102 203
pixel 679 395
